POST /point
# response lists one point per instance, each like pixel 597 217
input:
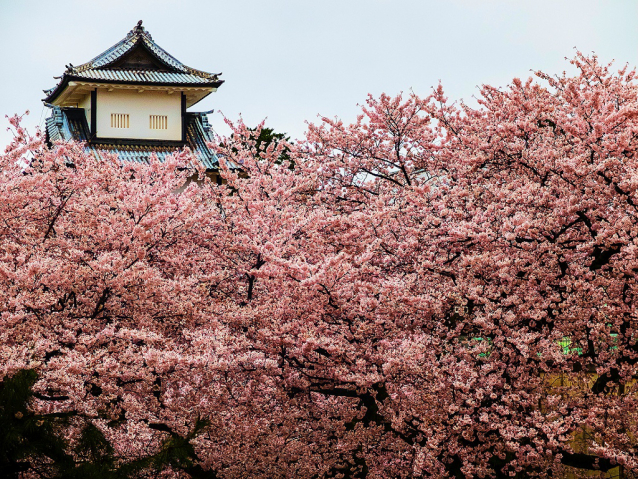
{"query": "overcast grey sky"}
pixel 289 60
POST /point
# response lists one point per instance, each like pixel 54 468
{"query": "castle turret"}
pixel 131 100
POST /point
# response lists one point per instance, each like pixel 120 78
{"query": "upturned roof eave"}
pixel 66 78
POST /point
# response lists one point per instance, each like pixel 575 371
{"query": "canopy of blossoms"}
pixel 433 291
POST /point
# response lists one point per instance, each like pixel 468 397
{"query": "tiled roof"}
pixel 104 67
pixel 70 124
pixel 140 76
pixel 139 34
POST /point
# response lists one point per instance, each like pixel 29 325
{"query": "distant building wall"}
pixel 114 106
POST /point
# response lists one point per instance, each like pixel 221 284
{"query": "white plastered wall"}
pixel 139 107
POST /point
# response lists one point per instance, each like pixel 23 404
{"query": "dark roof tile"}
pixel 142 77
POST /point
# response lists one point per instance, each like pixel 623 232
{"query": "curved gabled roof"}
pixel 136 36
pixel 110 67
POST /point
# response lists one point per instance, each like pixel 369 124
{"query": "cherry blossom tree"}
pixel 435 290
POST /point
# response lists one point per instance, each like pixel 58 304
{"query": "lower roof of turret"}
pixel 69 124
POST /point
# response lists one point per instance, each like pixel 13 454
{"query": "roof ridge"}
pixel 136 35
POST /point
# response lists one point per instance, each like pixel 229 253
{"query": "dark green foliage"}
pixel 178 452
pixel 94 457
pixel 27 440
pixel 34 443
pixel 268 136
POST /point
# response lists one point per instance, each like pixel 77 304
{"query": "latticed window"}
pixel 158 122
pixel 119 120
